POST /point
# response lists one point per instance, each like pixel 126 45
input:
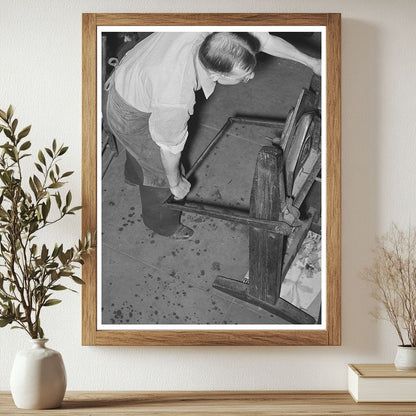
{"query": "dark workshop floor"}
pixel 150 279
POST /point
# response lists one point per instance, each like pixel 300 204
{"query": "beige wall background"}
pixel 40 74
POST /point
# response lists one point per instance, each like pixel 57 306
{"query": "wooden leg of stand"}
pixel 282 308
pixel 266 248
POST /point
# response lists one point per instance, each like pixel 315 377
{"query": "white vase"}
pixel 38 377
pixel 405 358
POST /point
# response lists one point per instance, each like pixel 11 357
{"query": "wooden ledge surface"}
pixel 179 403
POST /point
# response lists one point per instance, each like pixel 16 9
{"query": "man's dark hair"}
pixel 225 51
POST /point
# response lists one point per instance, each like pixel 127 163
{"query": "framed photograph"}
pixel 211 172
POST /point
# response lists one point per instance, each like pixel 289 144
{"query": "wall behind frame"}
pixel 40 73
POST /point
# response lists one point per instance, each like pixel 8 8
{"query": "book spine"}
pixel 353 381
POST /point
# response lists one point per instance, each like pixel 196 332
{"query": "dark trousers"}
pixel 156 216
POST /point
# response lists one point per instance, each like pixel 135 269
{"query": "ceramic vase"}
pixel 38 377
pixel 405 358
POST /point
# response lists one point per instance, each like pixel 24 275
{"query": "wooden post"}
pixel 266 249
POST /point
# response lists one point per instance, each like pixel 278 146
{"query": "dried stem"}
pixel 393 276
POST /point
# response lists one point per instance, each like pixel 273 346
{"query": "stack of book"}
pixel 381 383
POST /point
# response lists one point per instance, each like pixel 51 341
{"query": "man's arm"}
pixel 178 184
pixel 168 129
pixel 278 47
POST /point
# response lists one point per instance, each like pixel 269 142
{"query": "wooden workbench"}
pixel 212 403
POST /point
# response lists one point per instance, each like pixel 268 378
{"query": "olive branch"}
pixel 30 274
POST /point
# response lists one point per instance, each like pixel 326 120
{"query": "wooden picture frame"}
pixel 330 334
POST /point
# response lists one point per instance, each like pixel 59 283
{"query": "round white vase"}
pixel 405 358
pixel 38 377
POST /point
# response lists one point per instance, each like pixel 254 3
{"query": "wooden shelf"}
pixel 266 403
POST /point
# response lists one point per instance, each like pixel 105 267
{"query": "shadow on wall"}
pixel 361 129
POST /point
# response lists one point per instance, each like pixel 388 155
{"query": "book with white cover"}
pixel 381 383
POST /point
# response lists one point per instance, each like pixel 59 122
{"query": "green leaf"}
pixel 60 249
pixel 40 332
pixel 37 182
pixel 76 279
pixel 56 185
pixel 67 174
pixel 44 253
pixel 34 226
pixel 33 187
pixel 25 155
pixel 39 167
pixel 41 157
pixel 42 194
pixel 68 199
pixel 3 115
pixel 25 145
pixel 51 302
pixel 77 208
pixel 49 152
pixel 6 145
pixel 24 132
pixel 55 251
pixel 10 112
pixel 54 145
pixel 5 179
pixel 34 249
pixel 59 287
pixel 63 150
pixel 58 199
pixel 45 211
pixel 8 133
pixel 62 257
pixel 14 125
pixel 5 321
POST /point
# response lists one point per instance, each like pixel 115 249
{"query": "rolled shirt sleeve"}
pixel 168 126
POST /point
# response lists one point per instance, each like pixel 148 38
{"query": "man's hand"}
pixel 178 184
pixel 181 189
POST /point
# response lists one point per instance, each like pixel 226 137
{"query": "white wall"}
pixel 40 73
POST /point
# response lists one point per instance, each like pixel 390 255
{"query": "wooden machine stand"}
pixel 284 174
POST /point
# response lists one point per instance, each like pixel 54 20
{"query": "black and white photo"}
pixel 166 96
